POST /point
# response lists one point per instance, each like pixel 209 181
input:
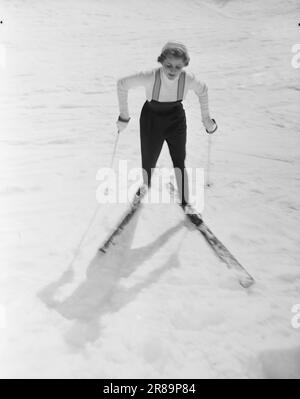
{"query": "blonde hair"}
pixel 174 52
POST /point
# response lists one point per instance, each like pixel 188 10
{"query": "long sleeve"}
pixel 201 90
pixel 130 82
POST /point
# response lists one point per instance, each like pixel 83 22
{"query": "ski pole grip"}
pixel 214 128
pixel 121 119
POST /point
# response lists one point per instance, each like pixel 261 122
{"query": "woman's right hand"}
pixel 122 123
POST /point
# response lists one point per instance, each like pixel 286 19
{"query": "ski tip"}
pixel 246 282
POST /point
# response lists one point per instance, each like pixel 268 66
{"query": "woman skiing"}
pixel 163 117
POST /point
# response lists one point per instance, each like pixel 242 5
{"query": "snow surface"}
pixel 159 304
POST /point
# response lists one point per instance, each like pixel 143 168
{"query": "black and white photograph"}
pixel 149 191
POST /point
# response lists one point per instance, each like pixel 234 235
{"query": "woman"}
pixel 163 117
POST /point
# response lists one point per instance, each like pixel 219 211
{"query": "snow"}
pixel 159 304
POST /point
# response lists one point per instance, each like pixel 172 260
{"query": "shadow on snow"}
pixel 101 292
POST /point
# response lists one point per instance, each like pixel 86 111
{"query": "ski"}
pixel 244 278
pixel 140 193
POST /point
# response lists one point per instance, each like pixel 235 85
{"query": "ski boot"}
pixel 142 190
pixel 194 216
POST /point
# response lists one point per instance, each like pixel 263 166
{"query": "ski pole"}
pixel 77 250
pixel 114 150
pixel 113 157
pixel 209 145
pixel 208 183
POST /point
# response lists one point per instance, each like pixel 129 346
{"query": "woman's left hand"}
pixel 210 125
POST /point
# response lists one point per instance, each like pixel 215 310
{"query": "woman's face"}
pixel 172 67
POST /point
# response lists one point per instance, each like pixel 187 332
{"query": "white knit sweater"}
pixel 168 90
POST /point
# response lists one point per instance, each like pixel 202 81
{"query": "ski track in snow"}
pixel 159 304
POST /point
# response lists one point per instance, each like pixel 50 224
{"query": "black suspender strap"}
pixel 181 84
pixel 156 87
